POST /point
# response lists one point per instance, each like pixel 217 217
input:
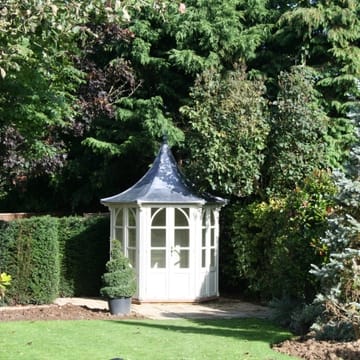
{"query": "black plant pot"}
pixel 120 306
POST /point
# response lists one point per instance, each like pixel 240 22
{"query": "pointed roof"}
pixel 163 183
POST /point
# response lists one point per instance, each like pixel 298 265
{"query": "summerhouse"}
pixel 170 234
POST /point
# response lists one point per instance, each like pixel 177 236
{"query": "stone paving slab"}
pixel 222 308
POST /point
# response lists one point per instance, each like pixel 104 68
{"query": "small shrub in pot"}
pixel 119 280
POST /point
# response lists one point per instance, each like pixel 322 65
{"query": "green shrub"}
pixel 5 281
pixel 84 249
pixel 340 275
pixel 275 242
pixel 282 310
pixel 6 243
pixel 120 279
pixel 340 330
pixel 303 318
pixel 295 316
pixel 50 257
pixel 31 256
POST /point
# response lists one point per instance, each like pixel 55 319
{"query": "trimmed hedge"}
pixel 49 257
pixel 30 254
pixel 84 250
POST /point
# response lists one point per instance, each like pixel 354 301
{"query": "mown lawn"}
pixel 241 339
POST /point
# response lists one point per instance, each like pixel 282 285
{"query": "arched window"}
pixel 170 238
pixel 125 232
pixel 208 245
pixel 119 226
pixel 131 236
pixel 158 238
pixel 182 238
pixel 212 240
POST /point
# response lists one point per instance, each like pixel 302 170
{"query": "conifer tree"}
pixel 340 275
pixel 324 35
pixel 296 143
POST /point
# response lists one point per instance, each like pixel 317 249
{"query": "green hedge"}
pixel 49 257
pixel 29 253
pixel 84 250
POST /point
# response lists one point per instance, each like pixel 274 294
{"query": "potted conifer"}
pixel 119 281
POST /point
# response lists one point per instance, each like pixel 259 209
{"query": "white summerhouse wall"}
pixel 196 282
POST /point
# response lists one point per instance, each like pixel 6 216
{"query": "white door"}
pixel 169 266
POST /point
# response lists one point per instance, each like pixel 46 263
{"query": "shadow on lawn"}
pixel 242 329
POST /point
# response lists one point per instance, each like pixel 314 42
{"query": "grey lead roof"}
pixel 163 183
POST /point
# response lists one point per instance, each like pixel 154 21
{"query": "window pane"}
pixel 212 242
pixel 160 217
pixel 132 257
pixel 212 218
pixel 184 259
pixel 119 235
pixel 132 237
pixel 180 218
pixel 212 258
pixel 132 217
pixel 204 219
pixel 182 237
pixel 158 259
pixel 203 238
pixel 119 218
pixel 203 258
pixel 158 238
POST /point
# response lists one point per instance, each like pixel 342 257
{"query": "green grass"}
pixel 242 339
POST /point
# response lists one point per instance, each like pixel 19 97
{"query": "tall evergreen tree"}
pixel 324 35
pixel 172 45
pixel 296 143
pixel 228 128
pixel 340 275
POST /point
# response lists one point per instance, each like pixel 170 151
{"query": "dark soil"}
pixel 311 349
pixel 56 312
pixel 308 349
